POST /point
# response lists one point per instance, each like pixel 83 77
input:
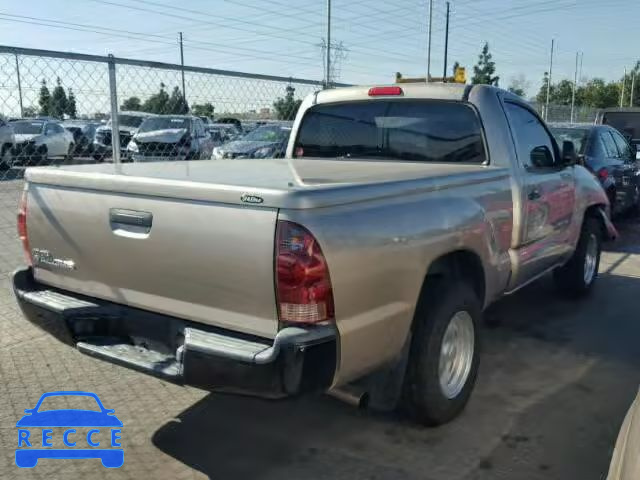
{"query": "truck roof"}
pixel 441 91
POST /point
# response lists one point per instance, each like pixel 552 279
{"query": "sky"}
pixel 283 37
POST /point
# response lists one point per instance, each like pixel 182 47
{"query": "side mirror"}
pixel 569 156
pixel 541 157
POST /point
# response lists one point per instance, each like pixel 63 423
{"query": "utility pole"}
pixel 624 79
pixel 575 86
pixel 429 42
pixel 546 108
pixel 446 46
pixel 633 84
pixel 328 57
pixel 19 86
pixel 580 74
pixel 184 93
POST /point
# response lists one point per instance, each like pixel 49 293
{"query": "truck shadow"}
pixel 541 354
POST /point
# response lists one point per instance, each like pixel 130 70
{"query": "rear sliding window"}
pixel 410 130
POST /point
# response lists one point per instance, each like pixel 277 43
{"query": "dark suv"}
pixel 626 121
pixel 606 153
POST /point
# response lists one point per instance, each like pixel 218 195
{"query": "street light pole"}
pixel 429 42
pixel 633 83
pixel 546 108
pixel 575 86
pixel 19 86
pixel 184 93
pixel 624 79
pixel 446 46
pixel 328 50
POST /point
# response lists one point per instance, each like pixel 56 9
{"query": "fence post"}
pixel 115 126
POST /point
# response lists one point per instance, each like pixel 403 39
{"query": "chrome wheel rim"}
pixel 456 354
pixel 590 259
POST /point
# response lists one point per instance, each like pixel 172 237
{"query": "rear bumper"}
pixel 297 361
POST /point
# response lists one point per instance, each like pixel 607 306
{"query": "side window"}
pixel 48 130
pixel 609 145
pixel 623 146
pixel 534 146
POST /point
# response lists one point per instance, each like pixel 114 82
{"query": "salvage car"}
pixel 626 121
pixel 170 137
pixel 625 461
pixel 361 261
pixel 38 142
pixel 268 141
pixel 83 133
pixel 606 153
pixel 128 124
pixel 6 143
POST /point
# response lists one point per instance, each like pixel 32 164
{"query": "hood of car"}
pixel 25 137
pixel 245 146
pixel 69 418
pixel 122 128
pixel 172 135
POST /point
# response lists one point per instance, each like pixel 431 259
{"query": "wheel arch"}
pixel 456 265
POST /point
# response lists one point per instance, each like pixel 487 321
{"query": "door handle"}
pixel 130 223
pixel 534 194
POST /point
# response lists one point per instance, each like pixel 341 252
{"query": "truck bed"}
pixel 196 239
pixel 280 183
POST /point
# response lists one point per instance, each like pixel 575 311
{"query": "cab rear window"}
pixel 404 130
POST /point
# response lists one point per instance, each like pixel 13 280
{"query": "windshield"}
pixel 130 120
pixel 628 123
pixel 164 123
pixel 429 131
pixel 27 128
pixel 268 134
pixel 576 135
pixel 65 402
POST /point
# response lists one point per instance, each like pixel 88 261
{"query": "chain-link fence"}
pixel 56 108
pixel 562 113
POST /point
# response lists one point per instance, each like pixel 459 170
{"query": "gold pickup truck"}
pixel 363 260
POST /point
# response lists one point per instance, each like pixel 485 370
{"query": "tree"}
pixel 287 107
pixel 157 103
pixel 483 71
pixel 132 103
pixel 44 99
pixel 58 101
pixel 541 97
pixel 562 93
pixel 71 108
pixel 519 85
pixel 177 103
pixel 203 110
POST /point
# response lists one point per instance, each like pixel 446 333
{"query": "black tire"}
pixel 424 399
pixel 5 157
pixel 572 277
pixel 69 156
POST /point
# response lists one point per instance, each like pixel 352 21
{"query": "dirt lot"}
pixel 556 379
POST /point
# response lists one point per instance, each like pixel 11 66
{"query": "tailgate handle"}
pixel 120 217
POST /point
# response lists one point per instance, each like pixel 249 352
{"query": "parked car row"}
pixel 606 153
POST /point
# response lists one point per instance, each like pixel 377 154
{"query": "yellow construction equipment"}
pixel 460 76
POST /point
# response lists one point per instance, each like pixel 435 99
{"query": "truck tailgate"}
pixel 204 261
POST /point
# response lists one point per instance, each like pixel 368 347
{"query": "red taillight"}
pixel 381 91
pixel 303 285
pixel 22 227
pixel 603 174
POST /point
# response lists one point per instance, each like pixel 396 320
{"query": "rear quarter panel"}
pixel 379 252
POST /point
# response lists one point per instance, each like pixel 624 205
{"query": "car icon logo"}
pixel 36 432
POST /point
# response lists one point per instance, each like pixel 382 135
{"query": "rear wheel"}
pixel 69 156
pixel 579 274
pixel 444 357
pixel 5 157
